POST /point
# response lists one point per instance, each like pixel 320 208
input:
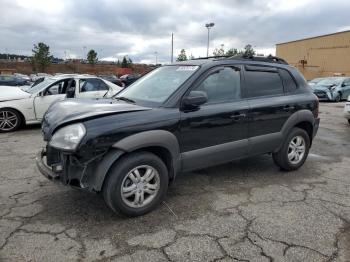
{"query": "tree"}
pixel 182 56
pixel 219 52
pixel 92 57
pixel 129 62
pixel 124 62
pixel 232 52
pixel 41 56
pixel 248 50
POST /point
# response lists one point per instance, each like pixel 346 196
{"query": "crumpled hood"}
pixel 320 88
pixel 74 110
pixel 12 93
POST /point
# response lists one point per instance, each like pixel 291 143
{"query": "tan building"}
pixel 320 56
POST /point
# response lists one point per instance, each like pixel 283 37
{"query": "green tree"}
pixel 232 52
pixel 92 57
pixel 249 50
pixel 41 56
pixel 124 62
pixel 129 62
pixel 182 56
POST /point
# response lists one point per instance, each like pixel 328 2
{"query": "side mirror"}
pixel 343 85
pixel 195 99
pixel 41 94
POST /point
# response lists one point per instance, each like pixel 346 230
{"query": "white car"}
pixel 28 106
pixel 347 110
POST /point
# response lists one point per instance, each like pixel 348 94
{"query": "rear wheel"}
pixel 10 120
pixel 136 184
pixel 349 121
pixel 294 150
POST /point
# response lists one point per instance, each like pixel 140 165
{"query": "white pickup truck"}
pixel 28 105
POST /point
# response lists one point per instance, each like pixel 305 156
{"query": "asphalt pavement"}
pixel 247 210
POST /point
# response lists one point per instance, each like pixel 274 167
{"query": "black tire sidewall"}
pixel 19 120
pixel 113 183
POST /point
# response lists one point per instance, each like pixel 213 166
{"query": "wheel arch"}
pixel 303 119
pixel 23 119
pixel 162 143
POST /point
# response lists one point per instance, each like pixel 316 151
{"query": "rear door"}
pixel 91 88
pixel 269 106
pixel 217 131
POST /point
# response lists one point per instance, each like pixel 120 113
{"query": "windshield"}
pixel 158 85
pixel 330 81
pixel 41 85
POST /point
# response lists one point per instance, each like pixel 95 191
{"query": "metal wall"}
pixel 320 56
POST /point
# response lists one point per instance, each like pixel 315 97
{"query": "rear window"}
pixel 288 81
pixel 261 83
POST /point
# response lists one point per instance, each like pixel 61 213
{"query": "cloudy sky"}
pixel 115 28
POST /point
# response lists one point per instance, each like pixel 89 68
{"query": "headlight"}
pixel 68 137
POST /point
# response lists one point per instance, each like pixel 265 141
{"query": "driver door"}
pixel 92 88
pixel 55 92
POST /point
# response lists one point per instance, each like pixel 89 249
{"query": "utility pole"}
pixel 208 26
pixel 172 48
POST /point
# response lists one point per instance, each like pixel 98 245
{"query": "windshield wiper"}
pixel 123 98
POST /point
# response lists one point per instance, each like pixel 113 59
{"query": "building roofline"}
pixel 312 37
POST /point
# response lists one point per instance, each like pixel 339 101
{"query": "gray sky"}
pixel 140 28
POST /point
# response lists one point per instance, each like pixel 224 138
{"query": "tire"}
pixel 10 120
pixel 123 175
pixel 349 121
pixel 281 158
pixel 337 98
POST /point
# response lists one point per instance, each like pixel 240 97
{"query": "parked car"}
pixel 315 81
pixel 113 79
pixel 23 76
pixel 12 80
pixel 129 79
pixel 332 89
pixel 179 117
pixel 347 110
pixel 27 106
pixel 34 77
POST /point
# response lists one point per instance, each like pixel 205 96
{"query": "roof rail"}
pixel 268 59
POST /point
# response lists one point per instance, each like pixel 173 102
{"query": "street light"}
pixel 208 26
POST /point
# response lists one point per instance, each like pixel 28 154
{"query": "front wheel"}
pixel 136 184
pixel 10 120
pixel 294 150
pixel 337 98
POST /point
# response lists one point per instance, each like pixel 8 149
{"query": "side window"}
pixel 261 83
pixel 57 88
pixel 92 84
pixel 288 81
pixel 223 85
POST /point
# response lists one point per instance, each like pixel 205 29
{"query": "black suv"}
pixel 179 117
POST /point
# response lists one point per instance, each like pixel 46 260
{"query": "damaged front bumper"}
pixel 66 168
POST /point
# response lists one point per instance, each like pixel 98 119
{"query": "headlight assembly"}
pixel 68 137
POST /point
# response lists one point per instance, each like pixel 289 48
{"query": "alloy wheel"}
pixel 296 150
pixel 8 120
pixel 140 186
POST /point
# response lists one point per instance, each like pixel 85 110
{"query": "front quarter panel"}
pixel 24 106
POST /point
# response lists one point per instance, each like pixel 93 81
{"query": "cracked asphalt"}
pixel 247 210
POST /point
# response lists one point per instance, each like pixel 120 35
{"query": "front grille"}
pixel 320 93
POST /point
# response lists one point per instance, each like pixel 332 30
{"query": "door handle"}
pixel 237 116
pixel 288 108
